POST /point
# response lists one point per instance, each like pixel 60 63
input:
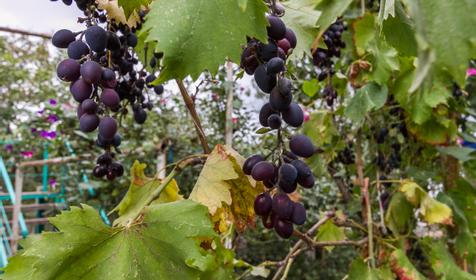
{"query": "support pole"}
pixel 17 208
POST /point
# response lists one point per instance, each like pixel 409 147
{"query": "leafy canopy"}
pixel 199 35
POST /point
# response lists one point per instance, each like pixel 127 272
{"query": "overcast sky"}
pixel 41 16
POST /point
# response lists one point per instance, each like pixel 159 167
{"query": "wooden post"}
pixel 17 208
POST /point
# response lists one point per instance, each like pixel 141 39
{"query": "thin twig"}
pixel 196 120
pixel 298 244
pixel 24 32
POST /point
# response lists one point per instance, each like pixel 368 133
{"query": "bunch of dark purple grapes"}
pixel 102 71
pixel 322 58
pixel 282 174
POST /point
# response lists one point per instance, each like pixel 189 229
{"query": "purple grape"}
pixel 291 37
pixel 301 145
pixel 262 171
pixel 265 81
pixel 77 49
pixel 282 206
pixel 264 114
pixel 285 86
pixel 299 214
pixel 99 171
pixel 62 38
pixel 274 121
pixel 68 70
pixel 251 162
pixel 110 98
pixel 89 106
pixel 302 168
pixel 279 102
pixel 140 116
pixel 91 72
pixel 276 28
pixel 275 65
pixel 287 178
pixel 263 203
pixel 107 128
pixel 108 75
pixel 307 182
pixel 81 90
pixel 293 115
pixel 284 229
pixel 96 37
pixel 88 122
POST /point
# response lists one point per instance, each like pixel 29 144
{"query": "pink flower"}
pixel 234 119
pixel 459 141
pixel 27 154
pixel 471 72
pixel 307 116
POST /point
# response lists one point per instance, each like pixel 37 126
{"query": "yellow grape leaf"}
pixel 117 13
pixel 413 192
pixel 227 192
pixel 432 210
pixel 435 212
pixel 140 190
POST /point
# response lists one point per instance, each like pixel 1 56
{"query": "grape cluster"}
pixel 103 70
pixel 281 176
pixel 322 58
pixel 107 167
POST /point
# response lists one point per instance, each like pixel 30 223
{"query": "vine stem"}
pixel 196 120
pixel 178 168
pixel 380 205
pixel 364 184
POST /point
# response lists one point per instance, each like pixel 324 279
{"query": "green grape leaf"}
pixel 399 32
pixel 363 32
pixel 227 192
pixel 465 243
pixel 163 246
pixel 385 61
pixel 320 128
pixel 301 17
pixel 370 97
pixel 330 232
pixel 139 192
pixel 399 215
pixel 359 270
pixel 461 153
pixel 402 267
pixel 130 6
pixel 443 263
pixel 199 35
pixel 446 39
pixel 434 132
pixel 330 11
pixel 310 87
